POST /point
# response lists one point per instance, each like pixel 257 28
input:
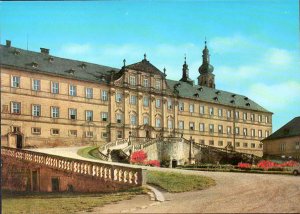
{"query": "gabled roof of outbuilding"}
pixel 212 95
pixel 23 59
pixel 290 129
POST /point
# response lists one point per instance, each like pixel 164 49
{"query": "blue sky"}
pixel 254 44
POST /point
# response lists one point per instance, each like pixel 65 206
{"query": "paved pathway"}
pixel 234 193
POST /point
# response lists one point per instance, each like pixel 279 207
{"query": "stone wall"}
pixel 26 170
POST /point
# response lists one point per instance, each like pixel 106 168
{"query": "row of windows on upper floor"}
pixel 89 116
pixel 145 83
pixel 229 144
pixel 146 100
pixel 211 129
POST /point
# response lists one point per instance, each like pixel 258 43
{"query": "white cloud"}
pixel 278 57
pixel 75 49
pixel 276 96
pixel 231 44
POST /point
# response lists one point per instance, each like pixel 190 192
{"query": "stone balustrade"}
pixel 120 174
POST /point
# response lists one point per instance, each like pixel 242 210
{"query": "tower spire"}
pixel 185 72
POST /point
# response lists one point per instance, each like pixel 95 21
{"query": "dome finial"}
pixel 124 62
pixel 205 42
pixel 145 56
pixel 184 58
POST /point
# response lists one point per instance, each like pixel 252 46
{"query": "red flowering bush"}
pixel 244 165
pixel 138 157
pixel 289 164
pixel 266 164
pixel 153 163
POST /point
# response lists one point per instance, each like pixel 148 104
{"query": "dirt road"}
pixel 234 193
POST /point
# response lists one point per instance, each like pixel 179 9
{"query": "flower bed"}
pixel 268 165
pixel 140 158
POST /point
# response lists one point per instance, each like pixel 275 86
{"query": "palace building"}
pixel 50 101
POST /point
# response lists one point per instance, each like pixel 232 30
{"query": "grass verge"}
pixel 177 182
pixel 87 152
pixel 61 203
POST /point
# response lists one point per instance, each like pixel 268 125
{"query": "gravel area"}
pixel 234 193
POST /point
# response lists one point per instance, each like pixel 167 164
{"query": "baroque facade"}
pixel 48 101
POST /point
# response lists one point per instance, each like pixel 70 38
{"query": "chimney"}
pixel 8 43
pixel 45 51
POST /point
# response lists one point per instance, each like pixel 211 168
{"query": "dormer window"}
pixel 82 65
pixel 218 92
pixel 232 101
pixel 215 98
pixel 16 52
pixel 71 71
pixel 247 104
pixel 34 64
pixel 233 95
pixel 200 89
pixel 196 95
pixel 246 98
pixel 50 59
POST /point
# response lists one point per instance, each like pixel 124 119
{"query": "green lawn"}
pixel 60 203
pixel 87 152
pixel 177 182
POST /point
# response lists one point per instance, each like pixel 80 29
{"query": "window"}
pixel 54 112
pixel 220 112
pixel 146 101
pixel 104 135
pixel 132 80
pixel 228 129
pixel 146 83
pixel 119 118
pixel 89 115
pixel 211 142
pixel 89 134
pixel 252 117
pixel 201 109
pixel 201 127
pixel 267 119
pixel 245 145
pixel 252 145
pixel 89 93
pixel 181 106
pixel 260 118
pixel 170 104
pixel 133 119
pixel 119 134
pixel 220 143
pixel 202 142
pixel 220 129
pixel 170 123
pixel 145 120
pixel 72 113
pixel 157 84
pixel 73 90
pixel 192 126
pixel 237 115
pixel 35 131
pixel 104 116
pixel 211 128
pixel 157 103
pixel 73 133
pixel 282 147
pixel 245 131
pixel 36 85
pixel 211 111
pixel 15 82
pixel 229 143
pixel 297 147
pixel 228 114
pixel 260 145
pixel 118 97
pixel 54 131
pixel 133 99
pixel 260 133
pixel 244 116
pixel 191 108
pixel 237 144
pixel 104 95
pixel 237 130
pixel 157 122
pixel 180 124
pixel 252 132
pixel 54 87
pixel 15 108
pixel 267 133
pixel 36 110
